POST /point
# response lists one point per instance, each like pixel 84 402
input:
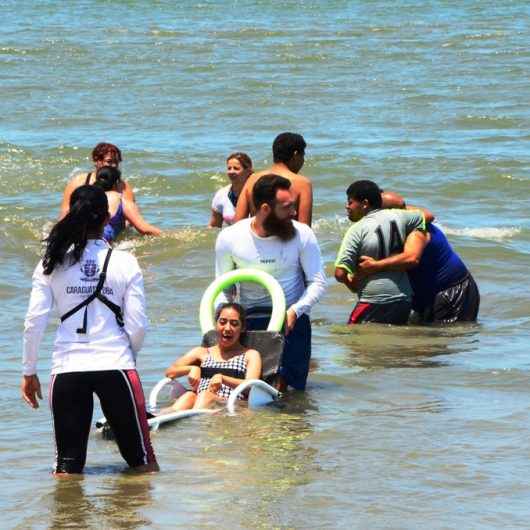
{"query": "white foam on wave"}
pixel 74 172
pixel 189 236
pixel 339 224
pixel 334 224
pixel 219 178
pixel 495 233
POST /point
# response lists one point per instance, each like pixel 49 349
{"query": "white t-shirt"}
pixel 296 264
pixel 106 345
pixel 222 204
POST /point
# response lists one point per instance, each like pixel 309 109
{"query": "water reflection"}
pixel 373 346
pixel 246 465
pixel 107 502
pixel 405 409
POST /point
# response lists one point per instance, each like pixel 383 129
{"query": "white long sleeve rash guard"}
pixel 106 345
pixel 296 264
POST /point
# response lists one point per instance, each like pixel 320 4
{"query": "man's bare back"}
pixel 301 187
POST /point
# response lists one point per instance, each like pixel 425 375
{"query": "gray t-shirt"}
pixel 380 234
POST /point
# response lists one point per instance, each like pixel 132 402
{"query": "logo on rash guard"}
pixel 89 269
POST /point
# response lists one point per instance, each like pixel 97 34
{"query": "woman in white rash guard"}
pixel 99 295
pixel 238 169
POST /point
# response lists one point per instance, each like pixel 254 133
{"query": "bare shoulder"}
pixel 302 181
pixel 124 185
pixel 199 352
pixel 252 354
pixel 299 182
pixel 255 176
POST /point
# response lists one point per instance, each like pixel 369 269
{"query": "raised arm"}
pixel 183 365
pixel 429 216
pixel 408 259
pixel 392 199
pixel 133 215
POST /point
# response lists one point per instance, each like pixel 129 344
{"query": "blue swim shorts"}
pixel 296 355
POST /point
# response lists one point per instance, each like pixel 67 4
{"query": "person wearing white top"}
pixel 288 250
pixel 238 169
pixel 99 295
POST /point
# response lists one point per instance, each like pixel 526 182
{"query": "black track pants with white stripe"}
pixel 122 401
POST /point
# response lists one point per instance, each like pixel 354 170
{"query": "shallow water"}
pixel 399 428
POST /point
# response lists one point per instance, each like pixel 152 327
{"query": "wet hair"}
pixel 88 211
pixel 106 177
pixel 102 149
pixel 232 305
pixel 265 188
pixel 285 145
pixel 243 159
pixel 365 189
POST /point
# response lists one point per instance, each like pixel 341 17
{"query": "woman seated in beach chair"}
pixel 213 372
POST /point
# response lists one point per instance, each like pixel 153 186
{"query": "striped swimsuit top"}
pixel 234 367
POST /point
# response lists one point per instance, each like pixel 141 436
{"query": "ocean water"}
pixel 400 427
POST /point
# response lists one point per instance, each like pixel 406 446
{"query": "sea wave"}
pixel 333 225
pixel 486 232
pixel 339 224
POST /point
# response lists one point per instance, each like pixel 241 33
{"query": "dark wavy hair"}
pixel 102 149
pixel 106 177
pixel 88 211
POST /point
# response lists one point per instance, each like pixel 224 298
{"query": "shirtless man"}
pixel 288 154
pixel 103 155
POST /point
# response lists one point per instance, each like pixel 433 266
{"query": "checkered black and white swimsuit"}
pixel 234 367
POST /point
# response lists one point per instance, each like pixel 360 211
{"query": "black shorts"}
pixel 458 303
pixel 122 401
pixel 392 313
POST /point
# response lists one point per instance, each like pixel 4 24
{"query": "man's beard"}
pixel 282 228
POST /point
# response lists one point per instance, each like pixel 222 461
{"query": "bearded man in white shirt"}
pixel 288 250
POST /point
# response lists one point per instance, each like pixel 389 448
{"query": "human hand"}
pixel 367 265
pixel 215 383
pixel 290 320
pixel 194 377
pixel 30 389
